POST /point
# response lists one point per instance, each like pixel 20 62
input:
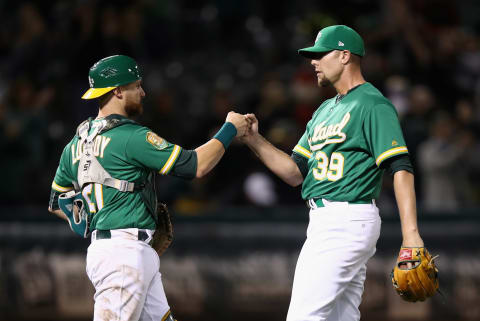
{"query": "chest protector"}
pixel 89 168
pixel 91 171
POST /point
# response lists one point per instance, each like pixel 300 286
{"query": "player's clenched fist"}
pixel 239 121
pixel 252 130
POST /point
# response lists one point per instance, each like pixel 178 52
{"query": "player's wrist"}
pixel 257 139
pixel 412 239
pixel 226 134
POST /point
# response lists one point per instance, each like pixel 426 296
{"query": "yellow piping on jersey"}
pixel 59 188
pixel 171 160
pixel 303 151
pixel 166 315
pixel 390 153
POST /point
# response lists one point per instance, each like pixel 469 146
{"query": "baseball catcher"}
pixel 415 276
pixel 105 187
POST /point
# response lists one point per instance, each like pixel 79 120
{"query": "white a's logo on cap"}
pixel 90 81
pixel 341 44
pixel 318 36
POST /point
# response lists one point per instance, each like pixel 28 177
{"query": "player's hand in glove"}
pixel 415 276
pixel 163 236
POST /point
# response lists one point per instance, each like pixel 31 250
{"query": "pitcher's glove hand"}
pixel 163 236
pixel 415 276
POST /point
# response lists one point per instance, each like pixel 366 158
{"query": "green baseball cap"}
pixel 338 37
pixel 109 73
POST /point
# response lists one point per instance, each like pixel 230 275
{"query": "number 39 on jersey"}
pixel 331 169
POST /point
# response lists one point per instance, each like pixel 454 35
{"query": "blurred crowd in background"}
pixel 201 59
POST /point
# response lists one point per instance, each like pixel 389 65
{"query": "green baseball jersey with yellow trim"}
pixel 345 143
pixel 127 152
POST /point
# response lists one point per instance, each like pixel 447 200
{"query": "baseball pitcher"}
pixel 104 188
pixel 351 140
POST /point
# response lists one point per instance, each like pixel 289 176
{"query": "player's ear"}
pixel 117 92
pixel 345 56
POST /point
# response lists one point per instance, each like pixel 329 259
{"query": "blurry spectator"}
pixel 468 132
pixel 132 32
pixel 274 100
pixel 465 113
pixel 467 68
pixel 23 130
pixel 28 47
pixel 440 159
pixel 469 192
pixel 415 125
pixel 396 89
pixel 305 94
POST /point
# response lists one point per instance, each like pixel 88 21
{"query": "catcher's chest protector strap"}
pixel 89 168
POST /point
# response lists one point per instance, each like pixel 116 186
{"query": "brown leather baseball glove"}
pixel 163 236
pixel 418 280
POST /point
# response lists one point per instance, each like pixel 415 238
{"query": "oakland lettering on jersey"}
pixel 325 133
pixel 99 146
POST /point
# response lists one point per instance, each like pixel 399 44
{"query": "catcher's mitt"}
pixel 163 236
pixel 418 282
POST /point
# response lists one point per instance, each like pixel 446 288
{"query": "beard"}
pixel 134 109
pixel 324 82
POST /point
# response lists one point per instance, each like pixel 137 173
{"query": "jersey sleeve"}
pixel 186 165
pixel 303 147
pixel 147 149
pixel 383 133
pixel 63 181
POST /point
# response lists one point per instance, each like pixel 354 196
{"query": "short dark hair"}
pixel 357 58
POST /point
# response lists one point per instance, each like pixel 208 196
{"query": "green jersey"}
pixel 346 141
pixel 127 152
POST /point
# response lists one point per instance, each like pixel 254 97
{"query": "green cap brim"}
pixel 96 92
pixel 314 52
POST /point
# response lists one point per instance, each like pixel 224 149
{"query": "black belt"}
pixel 105 234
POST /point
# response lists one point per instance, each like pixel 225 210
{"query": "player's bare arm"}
pixel 403 184
pixel 276 160
pixel 210 153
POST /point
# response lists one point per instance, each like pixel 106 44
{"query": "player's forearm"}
pixel 276 160
pixel 403 183
pixel 208 155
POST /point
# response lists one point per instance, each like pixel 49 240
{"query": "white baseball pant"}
pixel 126 275
pixel 331 267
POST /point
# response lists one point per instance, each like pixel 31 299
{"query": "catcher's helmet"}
pixel 109 73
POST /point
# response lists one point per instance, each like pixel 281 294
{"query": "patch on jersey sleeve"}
pixel 157 141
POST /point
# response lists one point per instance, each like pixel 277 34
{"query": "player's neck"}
pixel 112 107
pixel 347 81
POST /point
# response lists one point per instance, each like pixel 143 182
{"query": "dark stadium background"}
pixel 239 230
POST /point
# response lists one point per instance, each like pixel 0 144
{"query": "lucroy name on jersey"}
pixel 99 146
pixel 325 133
